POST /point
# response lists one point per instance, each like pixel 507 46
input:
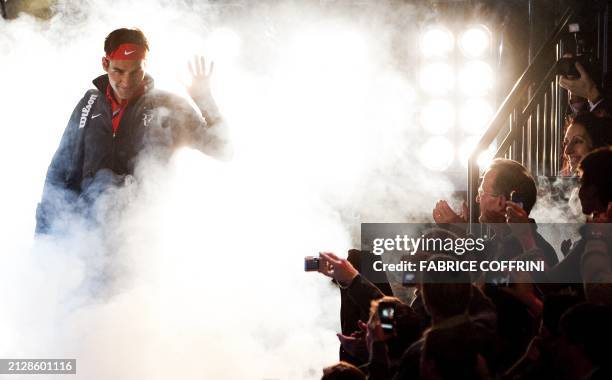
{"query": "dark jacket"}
pixel 157 123
pixel 508 247
pixel 356 299
pixel 481 313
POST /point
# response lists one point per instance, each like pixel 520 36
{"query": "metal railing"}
pixel 528 124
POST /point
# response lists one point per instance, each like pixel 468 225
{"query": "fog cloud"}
pixel 195 267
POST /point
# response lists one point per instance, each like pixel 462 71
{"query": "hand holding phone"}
pixel 386 314
pixel 516 198
pixel 514 209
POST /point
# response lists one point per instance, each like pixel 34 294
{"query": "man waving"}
pixel 123 117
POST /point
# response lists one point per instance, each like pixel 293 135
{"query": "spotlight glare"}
pixel 476 78
pixel 475 115
pixel 437 153
pixel 223 45
pixel 437 42
pixel 438 116
pixel 328 51
pixel 475 41
pixel 437 78
pixel 466 149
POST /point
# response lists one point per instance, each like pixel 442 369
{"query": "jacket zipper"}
pixel 125 115
pixel 113 147
pixel 113 152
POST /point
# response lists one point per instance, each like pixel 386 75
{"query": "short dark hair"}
pixel 588 326
pixel 408 326
pixel 446 294
pixel 594 170
pixel 599 129
pixel 342 371
pixel 554 307
pixel 453 351
pixel 124 36
pixel 512 176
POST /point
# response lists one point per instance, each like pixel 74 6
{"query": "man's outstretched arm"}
pixel 211 136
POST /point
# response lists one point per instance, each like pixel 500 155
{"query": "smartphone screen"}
pixel 386 313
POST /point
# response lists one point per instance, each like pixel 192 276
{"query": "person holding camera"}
pixel 584 95
pixel 356 296
pixel 576 69
pixel 448 298
pixel 392 327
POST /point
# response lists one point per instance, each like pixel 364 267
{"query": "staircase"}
pixel 529 123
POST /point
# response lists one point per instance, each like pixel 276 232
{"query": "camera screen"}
pixel 409 279
pixel 311 263
pixel 386 313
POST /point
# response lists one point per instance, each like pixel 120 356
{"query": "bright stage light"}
pixel 438 116
pixel 437 153
pixel 475 115
pixel 327 50
pixel 437 78
pixel 475 41
pixel 223 45
pixel 466 149
pixel 437 42
pixel 476 78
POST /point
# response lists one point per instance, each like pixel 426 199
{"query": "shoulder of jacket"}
pixel 91 95
pixel 162 96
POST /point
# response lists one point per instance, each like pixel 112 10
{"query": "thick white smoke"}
pixel 196 270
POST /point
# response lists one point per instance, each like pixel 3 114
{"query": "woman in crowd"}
pixel 586 132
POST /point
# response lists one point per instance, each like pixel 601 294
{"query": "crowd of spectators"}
pixel 554 325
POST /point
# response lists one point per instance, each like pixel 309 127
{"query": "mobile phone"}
pixel 502 281
pixel 386 313
pixel 498 279
pixel 311 264
pixel 409 279
pixel 516 198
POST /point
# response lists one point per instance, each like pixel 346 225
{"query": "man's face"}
pixel 492 205
pixel 125 76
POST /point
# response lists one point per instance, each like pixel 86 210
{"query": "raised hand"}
pixel 443 213
pixel 515 213
pixel 518 220
pixel 200 78
pixel 355 344
pixel 582 86
pixel 339 269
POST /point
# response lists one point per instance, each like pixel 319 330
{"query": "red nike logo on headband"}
pixel 128 52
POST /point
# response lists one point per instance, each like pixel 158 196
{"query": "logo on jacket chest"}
pixel 86 110
pixel 147 118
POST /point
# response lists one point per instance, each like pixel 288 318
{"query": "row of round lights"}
pixel 472 80
pixel 438 41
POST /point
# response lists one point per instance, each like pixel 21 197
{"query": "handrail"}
pixel 511 136
pixel 533 72
pixel 539 91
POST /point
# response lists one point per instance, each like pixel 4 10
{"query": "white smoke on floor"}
pixel 196 271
